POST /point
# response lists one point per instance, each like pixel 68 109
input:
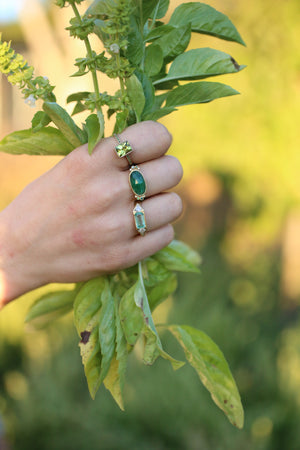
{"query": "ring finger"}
pixel 160 210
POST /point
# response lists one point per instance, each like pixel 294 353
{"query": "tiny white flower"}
pixel 46 78
pixel 114 48
pixel 30 101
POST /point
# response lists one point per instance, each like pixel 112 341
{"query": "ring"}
pixel 139 219
pixel 123 149
pixel 137 183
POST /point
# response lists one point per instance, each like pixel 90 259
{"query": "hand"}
pixel 75 222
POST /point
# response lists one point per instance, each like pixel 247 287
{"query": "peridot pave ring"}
pixel 137 183
pixel 123 149
pixel 139 219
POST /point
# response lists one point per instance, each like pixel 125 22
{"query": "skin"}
pixel 75 222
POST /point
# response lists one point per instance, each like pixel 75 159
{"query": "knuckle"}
pixel 163 134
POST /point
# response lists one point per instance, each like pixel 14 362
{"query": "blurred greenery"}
pixel 241 158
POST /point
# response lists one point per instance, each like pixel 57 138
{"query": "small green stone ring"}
pixel 137 183
pixel 123 149
pixel 139 219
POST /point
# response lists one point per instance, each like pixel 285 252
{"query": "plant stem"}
pixel 94 75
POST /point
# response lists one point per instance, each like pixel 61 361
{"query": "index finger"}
pixel 149 140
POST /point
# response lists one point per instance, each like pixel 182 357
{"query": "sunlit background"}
pixel 241 191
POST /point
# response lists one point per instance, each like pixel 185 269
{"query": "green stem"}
pixel 94 75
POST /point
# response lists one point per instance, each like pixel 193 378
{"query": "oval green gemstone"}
pixel 137 182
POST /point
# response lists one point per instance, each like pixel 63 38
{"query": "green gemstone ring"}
pixel 123 149
pixel 139 219
pixel 137 183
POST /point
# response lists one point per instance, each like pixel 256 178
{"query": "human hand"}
pixel 75 222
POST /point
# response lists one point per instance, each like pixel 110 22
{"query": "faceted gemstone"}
pixel 123 149
pixel 139 218
pixel 137 183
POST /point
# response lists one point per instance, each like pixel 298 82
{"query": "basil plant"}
pixel 157 75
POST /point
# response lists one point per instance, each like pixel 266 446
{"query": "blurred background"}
pixel 241 193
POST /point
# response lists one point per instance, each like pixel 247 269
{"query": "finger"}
pixel 160 210
pixel 149 140
pixel 142 247
pixel 161 174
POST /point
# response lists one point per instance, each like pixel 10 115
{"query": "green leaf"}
pixel 107 330
pixel 198 92
pixel 209 362
pixel 201 63
pixel 78 96
pixel 131 317
pixel 40 120
pixel 50 307
pixel 162 290
pixel 135 47
pixel 100 7
pixel 157 7
pixel 179 256
pixel 92 127
pixel 174 42
pixel 78 108
pixel 64 123
pixel 154 59
pixel 121 121
pixel 153 349
pixel 46 141
pixel 205 19
pixel 98 30
pixel 157 114
pixel 115 378
pixel 136 95
pixel 148 90
pixel 153 346
pixel 87 309
pixel 158 32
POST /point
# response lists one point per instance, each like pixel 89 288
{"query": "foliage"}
pixel 112 313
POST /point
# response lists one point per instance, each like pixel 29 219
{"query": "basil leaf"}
pixel 46 141
pixel 207 20
pixel 158 32
pixel 162 290
pixel 121 121
pixel 115 378
pixel 77 96
pixel 153 349
pixel 157 114
pixel 148 89
pixel 131 317
pixel 40 120
pixel 174 42
pixel 136 95
pixel 200 63
pixel 64 123
pixel 135 48
pixel 87 309
pixel 50 307
pixel 179 256
pixel 154 7
pixel 154 59
pixel 92 126
pixel 197 92
pixel 107 330
pixel 100 7
pixel 209 362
